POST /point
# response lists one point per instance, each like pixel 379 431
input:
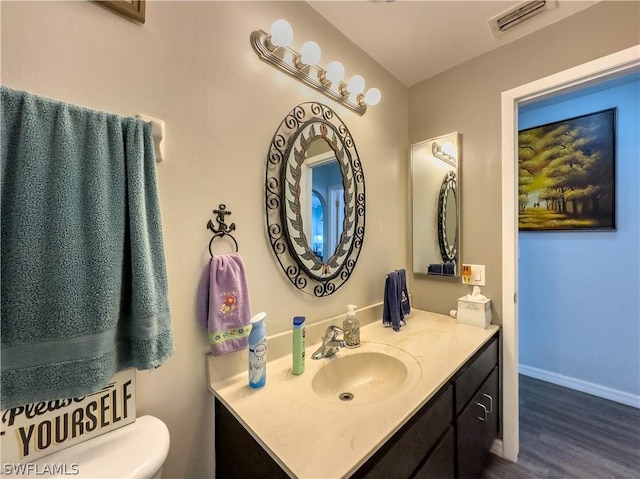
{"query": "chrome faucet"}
pixel 330 343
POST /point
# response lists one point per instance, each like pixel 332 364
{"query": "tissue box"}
pixel 474 312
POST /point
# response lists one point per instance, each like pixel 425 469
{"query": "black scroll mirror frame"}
pixel 447 250
pixel 301 126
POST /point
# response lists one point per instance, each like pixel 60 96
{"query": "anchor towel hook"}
pixel 223 229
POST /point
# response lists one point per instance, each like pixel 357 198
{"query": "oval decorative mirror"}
pixel 314 197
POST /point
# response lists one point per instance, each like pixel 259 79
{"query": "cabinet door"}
pixel 238 455
pixel 440 464
pixel 403 453
pixel 477 429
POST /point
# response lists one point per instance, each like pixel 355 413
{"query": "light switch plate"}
pixel 473 274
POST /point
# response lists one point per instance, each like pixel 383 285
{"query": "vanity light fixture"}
pixel 275 48
pixel 445 152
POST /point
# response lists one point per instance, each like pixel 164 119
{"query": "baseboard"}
pixel 580 385
pixel 497 448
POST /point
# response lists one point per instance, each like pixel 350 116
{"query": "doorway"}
pixel 579 187
pixel 617 64
pixel 322 202
pixel 336 218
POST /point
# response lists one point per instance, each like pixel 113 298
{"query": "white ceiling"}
pixel 417 39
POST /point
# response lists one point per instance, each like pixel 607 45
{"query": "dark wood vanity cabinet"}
pixel 439 463
pixel 420 445
pixel 238 455
pixel 477 427
pixel 476 410
pixel 450 437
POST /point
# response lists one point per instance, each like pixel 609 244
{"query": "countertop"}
pixel 310 437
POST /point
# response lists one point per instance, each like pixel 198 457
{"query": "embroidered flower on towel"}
pixel 229 334
pixel 229 303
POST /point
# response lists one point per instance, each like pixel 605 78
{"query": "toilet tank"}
pixel 137 450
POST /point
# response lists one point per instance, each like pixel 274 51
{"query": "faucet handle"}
pixel 332 332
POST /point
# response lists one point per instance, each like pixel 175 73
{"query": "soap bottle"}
pixel 351 327
pixel 258 352
pixel 298 345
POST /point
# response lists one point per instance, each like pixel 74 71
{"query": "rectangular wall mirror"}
pixel 435 192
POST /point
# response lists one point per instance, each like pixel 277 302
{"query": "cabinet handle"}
pixel 484 409
pixel 490 402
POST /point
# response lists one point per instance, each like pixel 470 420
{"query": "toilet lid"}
pixel 136 450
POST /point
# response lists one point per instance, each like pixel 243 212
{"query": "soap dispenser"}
pixel 351 327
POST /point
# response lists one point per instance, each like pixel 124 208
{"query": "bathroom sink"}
pixel 360 377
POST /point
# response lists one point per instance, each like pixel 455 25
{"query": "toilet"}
pixel 137 450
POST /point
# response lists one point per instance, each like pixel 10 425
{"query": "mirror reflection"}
pixel 323 193
pixel 315 207
pixel 435 167
pixel 447 220
pixel 451 219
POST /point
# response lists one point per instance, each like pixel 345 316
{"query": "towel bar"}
pixel 223 228
pixel 157 130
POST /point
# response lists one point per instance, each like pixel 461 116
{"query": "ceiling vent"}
pixel 522 12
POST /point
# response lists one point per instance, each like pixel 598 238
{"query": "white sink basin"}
pixel 365 376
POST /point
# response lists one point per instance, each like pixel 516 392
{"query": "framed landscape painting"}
pixel 133 9
pixel 566 174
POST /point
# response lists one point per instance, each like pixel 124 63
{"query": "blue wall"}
pixel 579 292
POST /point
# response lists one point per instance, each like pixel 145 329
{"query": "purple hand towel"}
pixel 224 304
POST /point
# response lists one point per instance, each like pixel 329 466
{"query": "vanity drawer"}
pixel 468 380
pixel 404 452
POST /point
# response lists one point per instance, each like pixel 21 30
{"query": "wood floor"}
pixel 569 434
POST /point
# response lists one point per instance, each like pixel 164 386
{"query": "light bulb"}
pixel 281 33
pixel 450 149
pixel 356 85
pixel 334 72
pixel 310 53
pixel 372 97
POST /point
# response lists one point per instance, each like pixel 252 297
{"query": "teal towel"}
pixel 84 288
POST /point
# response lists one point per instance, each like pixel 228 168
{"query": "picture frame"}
pixel 133 9
pixel 567 174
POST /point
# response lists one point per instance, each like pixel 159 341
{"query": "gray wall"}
pixel 467 99
pixel 191 64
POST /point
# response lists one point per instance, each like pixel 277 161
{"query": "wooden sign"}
pixel 38 429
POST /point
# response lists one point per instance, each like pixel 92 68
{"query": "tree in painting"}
pixel 567 174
